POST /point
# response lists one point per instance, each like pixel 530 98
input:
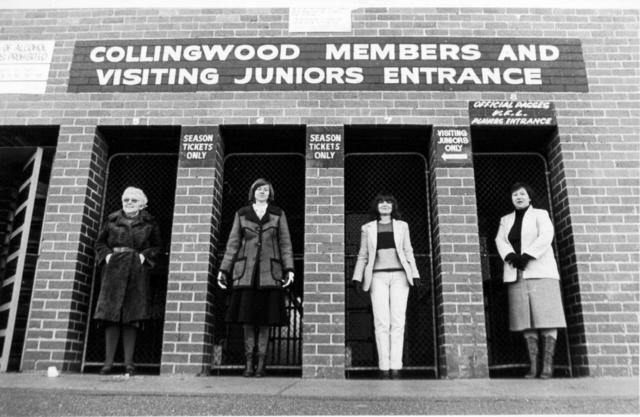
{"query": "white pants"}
pixel 389 295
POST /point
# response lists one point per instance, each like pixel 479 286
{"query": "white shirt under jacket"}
pixel 368 248
pixel 536 238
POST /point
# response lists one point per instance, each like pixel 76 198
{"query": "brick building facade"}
pixel 591 155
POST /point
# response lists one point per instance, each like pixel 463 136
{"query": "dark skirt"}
pixel 258 307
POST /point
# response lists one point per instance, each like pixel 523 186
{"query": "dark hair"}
pixel 373 210
pixel 518 185
pixel 259 183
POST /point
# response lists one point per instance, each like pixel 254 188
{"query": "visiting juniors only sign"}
pixel 258 64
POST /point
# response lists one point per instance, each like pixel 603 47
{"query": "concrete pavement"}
pixel 611 395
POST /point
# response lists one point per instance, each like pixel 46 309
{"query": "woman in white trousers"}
pixel 387 268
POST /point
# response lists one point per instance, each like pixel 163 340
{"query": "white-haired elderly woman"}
pixel 127 246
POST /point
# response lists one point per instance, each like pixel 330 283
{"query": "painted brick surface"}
pixel 596 171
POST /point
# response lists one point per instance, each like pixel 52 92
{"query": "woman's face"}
pixel 261 194
pixel 131 203
pixel 385 208
pixel 520 198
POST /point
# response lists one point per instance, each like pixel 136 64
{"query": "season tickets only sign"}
pixel 274 64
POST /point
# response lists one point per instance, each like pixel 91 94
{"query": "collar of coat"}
pixel 119 217
pixel 249 213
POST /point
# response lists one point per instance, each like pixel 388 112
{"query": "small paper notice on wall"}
pixel 319 20
pixel 24 66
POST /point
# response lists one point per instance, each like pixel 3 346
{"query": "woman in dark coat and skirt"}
pixel 126 248
pixel 530 270
pixel 258 264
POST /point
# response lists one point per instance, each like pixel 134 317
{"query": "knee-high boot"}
pixel 263 341
pixel 532 347
pixel 547 362
pixel 249 344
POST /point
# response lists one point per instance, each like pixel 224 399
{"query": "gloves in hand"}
pixel 511 259
pixel 358 286
pixel 417 282
pixel 523 261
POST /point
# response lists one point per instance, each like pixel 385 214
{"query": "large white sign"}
pixel 24 66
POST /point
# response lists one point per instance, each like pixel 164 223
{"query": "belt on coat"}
pixel 120 249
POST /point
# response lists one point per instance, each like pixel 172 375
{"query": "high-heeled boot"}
pixel 532 347
pixel 547 362
pixel 249 344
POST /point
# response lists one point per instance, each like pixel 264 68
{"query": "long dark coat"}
pixel 258 243
pixel 124 293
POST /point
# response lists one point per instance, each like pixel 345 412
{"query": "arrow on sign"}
pixel 447 156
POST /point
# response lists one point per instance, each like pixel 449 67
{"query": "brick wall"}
pixel 62 285
pixel 323 331
pixel 457 274
pixel 188 327
pixel 598 143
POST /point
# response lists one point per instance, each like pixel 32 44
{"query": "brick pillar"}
pixel 462 338
pixel 188 326
pixel 323 336
pixel 62 283
pixel 594 192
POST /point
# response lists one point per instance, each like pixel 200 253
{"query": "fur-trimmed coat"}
pixel 124 289
pixel 258 243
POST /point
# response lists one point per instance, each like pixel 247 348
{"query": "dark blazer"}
pixel 124 289
pixel 258 243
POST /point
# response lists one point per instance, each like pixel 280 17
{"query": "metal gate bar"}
pixel 494 174
pixel 155 174
pixel 286 171
pixel 405 175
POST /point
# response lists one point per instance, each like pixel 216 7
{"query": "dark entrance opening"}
pixel 147 158
pixel 26 156
pixel 276 153
pixel 503 156
pixel 390 159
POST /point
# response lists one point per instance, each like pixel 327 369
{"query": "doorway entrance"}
pixel 494 174
pixel 24 180
pixel 402 171
pixel 133 163
pixel 276 154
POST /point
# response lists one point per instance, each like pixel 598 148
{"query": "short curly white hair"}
pixel 136 192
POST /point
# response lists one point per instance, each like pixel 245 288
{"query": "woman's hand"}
pixel 523 261
pixel 512 259
pixel 222 280
pixel 107 258
pixel 142 258
pixel 289 279
pixel 358 286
